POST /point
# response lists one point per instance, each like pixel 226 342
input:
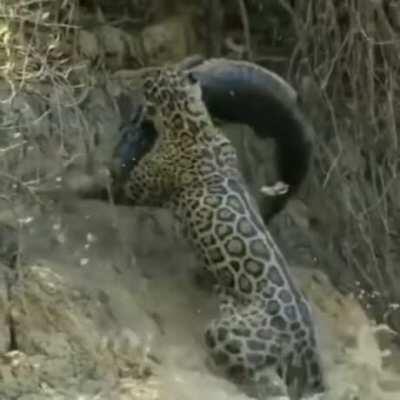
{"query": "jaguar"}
pixel 172 155
pixel 245 93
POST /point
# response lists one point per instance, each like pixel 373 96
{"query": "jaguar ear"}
pixel 245 93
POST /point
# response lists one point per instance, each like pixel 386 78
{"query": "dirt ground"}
pixel 94 317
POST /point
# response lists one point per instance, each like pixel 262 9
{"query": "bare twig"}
pixel 352 50
pixel 246 28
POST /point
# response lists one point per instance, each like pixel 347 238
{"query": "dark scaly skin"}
pixel 243 92
pixel 265 323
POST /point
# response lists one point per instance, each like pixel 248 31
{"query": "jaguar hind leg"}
pixel 315 384
pixel 304 377
pixel 250 362
pixel 269 385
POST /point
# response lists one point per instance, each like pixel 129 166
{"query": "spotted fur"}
pixel 265 324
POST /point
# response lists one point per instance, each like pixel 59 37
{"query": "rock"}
pixel 352 357
pixel 172 39
pixel 135 331
pixel 62 346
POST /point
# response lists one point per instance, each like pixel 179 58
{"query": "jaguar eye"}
pixel 192 78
